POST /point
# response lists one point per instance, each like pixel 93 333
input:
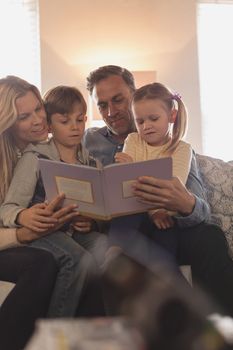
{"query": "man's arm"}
pixel 201 210
pixel 189 202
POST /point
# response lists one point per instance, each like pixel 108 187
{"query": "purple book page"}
pixel 81 185
pixel 119 178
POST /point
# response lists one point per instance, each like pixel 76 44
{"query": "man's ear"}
pixel 173 116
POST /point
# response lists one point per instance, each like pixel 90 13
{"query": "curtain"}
pixel 19 39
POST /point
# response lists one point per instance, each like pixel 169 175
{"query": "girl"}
pixel 66 109
pixel 34 271
pixel 161 121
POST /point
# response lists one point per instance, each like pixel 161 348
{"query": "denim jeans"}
pixel 140 240
pixel 95 243
pixel 76 268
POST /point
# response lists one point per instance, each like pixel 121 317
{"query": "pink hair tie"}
pixel 176 96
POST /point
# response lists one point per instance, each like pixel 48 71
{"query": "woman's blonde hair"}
pixel 161 92
pixel 11 88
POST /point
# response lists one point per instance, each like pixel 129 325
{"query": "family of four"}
pixel 55 255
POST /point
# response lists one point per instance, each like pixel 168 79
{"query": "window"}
pixel 19 38
pixel 215 28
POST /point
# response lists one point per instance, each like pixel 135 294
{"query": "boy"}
pixel 66 113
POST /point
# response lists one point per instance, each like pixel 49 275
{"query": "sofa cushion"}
pixel 217 177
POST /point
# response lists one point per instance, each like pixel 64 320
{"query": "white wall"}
pixel 78 36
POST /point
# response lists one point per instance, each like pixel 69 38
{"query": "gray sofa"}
pixel 217 177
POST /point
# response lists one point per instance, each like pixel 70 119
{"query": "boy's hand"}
pixel 162 220
pixel 83 224
pixel 121 157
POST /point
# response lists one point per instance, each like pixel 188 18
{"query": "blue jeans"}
pixel 76 267
pixel 142 241
pixel 94 242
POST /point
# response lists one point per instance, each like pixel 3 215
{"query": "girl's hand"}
pixel 121 157
pixel 83 224
pixel 162 219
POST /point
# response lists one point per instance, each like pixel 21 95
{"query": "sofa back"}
pixel 217 177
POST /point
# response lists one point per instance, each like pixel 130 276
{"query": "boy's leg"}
pixel 92 303
pixel 76 268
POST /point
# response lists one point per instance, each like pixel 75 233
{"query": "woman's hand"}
pixel 61 216
pixel 37 218
pixel 121 157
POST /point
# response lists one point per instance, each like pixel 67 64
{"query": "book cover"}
pixel 101 193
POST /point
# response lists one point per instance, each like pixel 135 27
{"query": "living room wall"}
pixel 160 35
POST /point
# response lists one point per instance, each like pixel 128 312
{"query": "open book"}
pixel 101 193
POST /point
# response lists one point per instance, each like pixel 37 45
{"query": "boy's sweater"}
pixel 25 179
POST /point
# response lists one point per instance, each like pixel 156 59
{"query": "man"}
pixel 201 245
pixel 112 93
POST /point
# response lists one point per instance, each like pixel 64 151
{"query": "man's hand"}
pixel 121 157
pixel 164 194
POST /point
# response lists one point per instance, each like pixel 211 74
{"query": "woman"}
pixel 23 120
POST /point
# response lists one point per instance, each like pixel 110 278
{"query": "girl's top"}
pixel 139 150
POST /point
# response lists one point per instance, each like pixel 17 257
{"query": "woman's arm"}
pixel 8 238
pixel 21 189
pixel 16 237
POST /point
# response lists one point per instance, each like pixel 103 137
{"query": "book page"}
pixel 120 177
pixel 127 188
pixel 75 189
pixel 81 185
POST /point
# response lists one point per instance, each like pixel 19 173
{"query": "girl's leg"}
pixel 76 268
pixel 34 271
pixel 122 231
pixel 130 233
pixel 167 239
